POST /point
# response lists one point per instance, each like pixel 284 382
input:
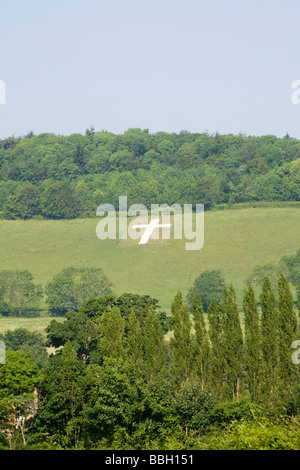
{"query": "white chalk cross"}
pixel 149 229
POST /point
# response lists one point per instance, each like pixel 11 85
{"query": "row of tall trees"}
pixel 230 358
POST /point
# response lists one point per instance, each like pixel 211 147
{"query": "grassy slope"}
pixel 235 241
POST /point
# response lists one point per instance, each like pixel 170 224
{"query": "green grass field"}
pixel 235 241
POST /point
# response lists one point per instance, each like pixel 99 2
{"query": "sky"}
pixel 222 66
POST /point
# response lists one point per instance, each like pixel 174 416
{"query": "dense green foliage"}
pixel 72 287
pixel 18 377
pixel 127 303
pixel 30 342
pixel 293 266
pixel 19 295
pixel 116 382
pixel 59 177
pixel 68 290
pixel 209 285
pixel 287 265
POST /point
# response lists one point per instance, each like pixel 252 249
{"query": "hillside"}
pixel 67 177
pixel 235 241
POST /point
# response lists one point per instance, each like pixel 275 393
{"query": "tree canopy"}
pixel 62 177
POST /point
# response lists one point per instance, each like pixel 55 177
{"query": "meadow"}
pixel 235 241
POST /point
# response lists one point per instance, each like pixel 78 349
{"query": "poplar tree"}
pixel 112 334
pixel 233 342
pixel 253 352
pixel 134 341
pixel 154 346
pixel 201 346
pixel 270 337
pixel 217 359
pixel 181 344
pixel 287 331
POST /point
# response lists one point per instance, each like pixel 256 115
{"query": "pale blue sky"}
pixel 168 65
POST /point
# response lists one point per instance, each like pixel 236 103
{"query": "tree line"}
pixel 64 177
pixel 220 379
pixel 69 289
